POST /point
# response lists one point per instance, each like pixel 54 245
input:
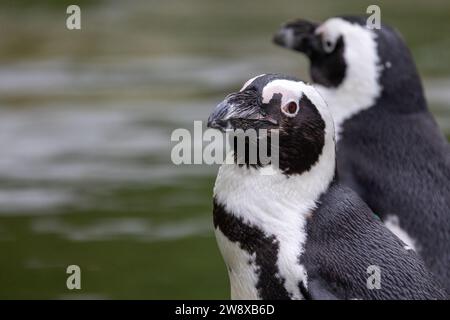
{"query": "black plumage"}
pixel 393 153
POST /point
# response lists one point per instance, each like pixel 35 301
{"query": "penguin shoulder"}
pixel 341 207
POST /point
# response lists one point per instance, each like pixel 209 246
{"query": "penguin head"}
pixel 334 47
pixel 282 103
pixel 354 66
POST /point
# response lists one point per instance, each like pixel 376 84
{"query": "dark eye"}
pixel 290 109
pixel 328 46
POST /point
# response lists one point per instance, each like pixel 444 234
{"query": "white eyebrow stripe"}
pixel 250 81
pixel 289 90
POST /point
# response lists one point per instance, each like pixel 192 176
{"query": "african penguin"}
pixel 390 149
pixel 293 231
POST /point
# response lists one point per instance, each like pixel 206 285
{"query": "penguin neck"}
pixel 348 100
pixel 257 194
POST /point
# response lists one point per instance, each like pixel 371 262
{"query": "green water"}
pixel 85 124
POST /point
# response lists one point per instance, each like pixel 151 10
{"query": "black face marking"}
pixel 254 241
pixel 272 108
pixel 301 139
pixel 265 110
pixel 245 159
pixel 329 69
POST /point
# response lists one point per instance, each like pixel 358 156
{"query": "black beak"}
pixel 219 117
pixel 298 35
pixel 240 111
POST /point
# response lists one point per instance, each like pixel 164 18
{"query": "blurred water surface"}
pixel 85 124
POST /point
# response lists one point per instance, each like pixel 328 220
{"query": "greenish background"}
pixel 85 124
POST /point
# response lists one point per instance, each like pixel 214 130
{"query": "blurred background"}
pixel 85 124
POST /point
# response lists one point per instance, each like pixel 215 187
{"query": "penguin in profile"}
pixel 390 149
pixel 293 231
